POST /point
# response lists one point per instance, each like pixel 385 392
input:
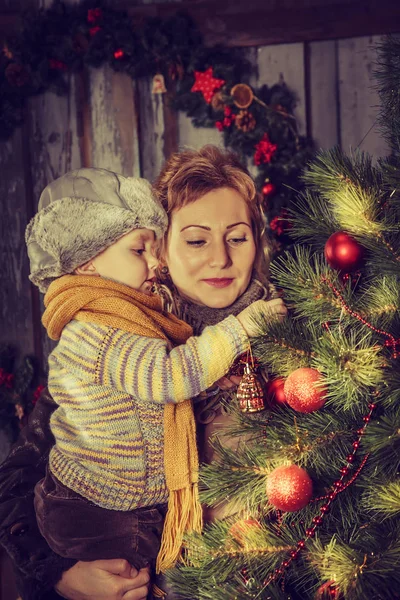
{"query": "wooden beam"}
pixel 255 23
pixel 258 23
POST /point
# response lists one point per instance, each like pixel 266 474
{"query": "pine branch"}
pixel 352 186
pixel 379 302
pixel 355 191
pixel 237 478
pixel 388 78
pixel 283 347
pixel 352 368
pixel 382 440
pixel 383 500
pixel 391 398
pixel 359 574
pixel 302 276
pixel 312 219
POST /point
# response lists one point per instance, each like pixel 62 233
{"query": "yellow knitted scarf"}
pixel 102 301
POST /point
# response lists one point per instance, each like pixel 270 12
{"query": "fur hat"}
pixel 81 214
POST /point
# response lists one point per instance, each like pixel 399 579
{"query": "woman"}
pixel 213 256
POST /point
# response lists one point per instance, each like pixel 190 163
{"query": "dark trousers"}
pixel 76 528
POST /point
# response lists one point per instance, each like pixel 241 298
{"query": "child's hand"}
pixel 271 309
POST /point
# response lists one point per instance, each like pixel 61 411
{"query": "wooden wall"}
pixel 110 121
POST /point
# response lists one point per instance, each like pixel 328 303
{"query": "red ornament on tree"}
pixel 275 391
pixel 343 252
pixel 289 488
pixel 301 392
pixel 242 528
pixel 206 83
pixel 118 54
pixel 268 189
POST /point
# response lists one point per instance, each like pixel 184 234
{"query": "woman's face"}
pixel 211 249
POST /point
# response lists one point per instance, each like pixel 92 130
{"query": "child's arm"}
pixel 146 369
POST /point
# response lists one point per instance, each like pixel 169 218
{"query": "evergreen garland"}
pixel 64 38
pixel 19 390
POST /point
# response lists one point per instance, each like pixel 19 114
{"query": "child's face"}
pixel 130 260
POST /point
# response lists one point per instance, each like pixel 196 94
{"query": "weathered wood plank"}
pixel 158 127
pixel 15 289
pixel 359 100
pixel 114 123
pixel 151 129
pixel 54 149
pixel 195 137
pixel 285 62
pixel 171 127
pixel 323 93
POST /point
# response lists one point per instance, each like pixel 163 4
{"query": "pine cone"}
pixel 245 121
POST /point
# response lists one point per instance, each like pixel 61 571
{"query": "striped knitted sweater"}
pixel 110 387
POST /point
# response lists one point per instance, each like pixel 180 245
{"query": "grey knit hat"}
pixel 81 214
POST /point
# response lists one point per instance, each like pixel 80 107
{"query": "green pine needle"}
pixel 353 187
pixel 384 499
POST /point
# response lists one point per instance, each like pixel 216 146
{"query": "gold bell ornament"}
pixel 250 392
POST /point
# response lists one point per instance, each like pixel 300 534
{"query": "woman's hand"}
pixel 104 580
pixel 227 383
pixel 269 309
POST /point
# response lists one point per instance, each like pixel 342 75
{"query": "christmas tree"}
pixel 312 491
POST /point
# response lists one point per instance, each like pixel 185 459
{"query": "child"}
pixel 122 375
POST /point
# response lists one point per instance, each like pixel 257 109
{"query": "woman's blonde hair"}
pixel 188 175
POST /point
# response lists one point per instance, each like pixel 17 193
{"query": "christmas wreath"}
pixel 19 390
pixel 210 85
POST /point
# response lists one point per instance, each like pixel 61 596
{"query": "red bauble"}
pixel 289 488
pixel 242 528
pixel 268 189
pixel 57 65
pixel 343 252
pixel 275 392
pixel 118 54
pixel 94 30
pixel 301 392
